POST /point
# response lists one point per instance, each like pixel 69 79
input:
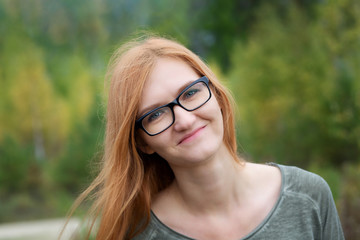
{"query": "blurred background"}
pixel 293 67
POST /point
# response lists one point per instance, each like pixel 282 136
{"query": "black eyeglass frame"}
pixel 138 122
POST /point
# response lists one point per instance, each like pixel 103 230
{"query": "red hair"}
pixel 129 178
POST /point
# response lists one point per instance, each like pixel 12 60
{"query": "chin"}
pixel 203 152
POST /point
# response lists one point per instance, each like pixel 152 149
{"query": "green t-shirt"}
pixel 305 210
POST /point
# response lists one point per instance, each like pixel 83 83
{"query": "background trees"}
pixel 293 67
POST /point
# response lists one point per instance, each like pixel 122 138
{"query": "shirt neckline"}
pixel 163 226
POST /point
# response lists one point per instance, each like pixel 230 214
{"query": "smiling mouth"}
pixel 190 136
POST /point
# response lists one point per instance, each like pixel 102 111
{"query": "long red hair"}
pixel 129 178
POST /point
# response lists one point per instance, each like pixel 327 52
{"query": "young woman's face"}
pixel 195 135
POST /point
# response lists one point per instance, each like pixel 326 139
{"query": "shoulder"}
pixel 305 184
pixel 305 192
pixel 301 180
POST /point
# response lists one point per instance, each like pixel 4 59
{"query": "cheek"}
pixel 218 118
pixel 145 143
pixel 216 111
pixel 155 143
pixel 220 122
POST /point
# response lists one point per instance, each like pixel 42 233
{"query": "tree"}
pixel 296 90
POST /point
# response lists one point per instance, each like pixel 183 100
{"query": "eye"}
pixel 156 115
pixel 190 93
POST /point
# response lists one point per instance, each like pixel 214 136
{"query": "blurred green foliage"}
pixel 297 86
pixel 293 66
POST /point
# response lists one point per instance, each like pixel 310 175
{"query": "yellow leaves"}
pixel 61 120
pixel 33 107
pixel 81 90
pixel 30 93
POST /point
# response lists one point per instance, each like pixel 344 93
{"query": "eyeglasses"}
pixel 161 118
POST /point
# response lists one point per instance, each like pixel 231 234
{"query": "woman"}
pixel 171 169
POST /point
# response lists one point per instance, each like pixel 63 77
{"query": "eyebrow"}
pixel 155 105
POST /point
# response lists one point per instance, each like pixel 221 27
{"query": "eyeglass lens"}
pixel 162 118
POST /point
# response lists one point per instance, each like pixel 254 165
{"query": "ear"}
pixel 143 146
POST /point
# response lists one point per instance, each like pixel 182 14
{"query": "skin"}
pixel 213 196
pixel 195 135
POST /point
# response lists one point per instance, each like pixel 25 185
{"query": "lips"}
pixel 190 136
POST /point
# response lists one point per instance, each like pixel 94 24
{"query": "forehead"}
pixel 170 71
pixel 166 80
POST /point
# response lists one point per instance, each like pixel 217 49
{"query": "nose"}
pixel 183 119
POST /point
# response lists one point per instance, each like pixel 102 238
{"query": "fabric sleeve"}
pixel 331 225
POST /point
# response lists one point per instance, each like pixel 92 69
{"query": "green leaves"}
pixel 297 91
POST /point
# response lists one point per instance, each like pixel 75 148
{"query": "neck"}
pixel 212 187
